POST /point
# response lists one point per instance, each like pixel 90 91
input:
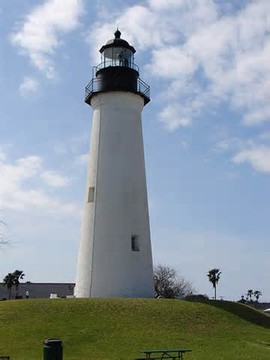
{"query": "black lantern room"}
pixel 117 71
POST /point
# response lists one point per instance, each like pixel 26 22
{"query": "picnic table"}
pixel 176 354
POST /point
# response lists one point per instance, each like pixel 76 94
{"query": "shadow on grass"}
pixel 243 311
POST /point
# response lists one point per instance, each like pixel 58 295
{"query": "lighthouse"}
pixel 115 257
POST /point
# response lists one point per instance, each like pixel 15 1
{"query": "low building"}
pixel 38 290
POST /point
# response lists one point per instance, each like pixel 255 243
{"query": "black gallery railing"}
pixel 95 86
pixel 116 63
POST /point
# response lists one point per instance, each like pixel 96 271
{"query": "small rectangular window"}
pixel 135 243
pixel 91 192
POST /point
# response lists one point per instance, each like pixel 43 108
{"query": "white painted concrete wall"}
pixel 107 266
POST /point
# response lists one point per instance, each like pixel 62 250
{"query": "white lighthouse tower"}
pixel 115 258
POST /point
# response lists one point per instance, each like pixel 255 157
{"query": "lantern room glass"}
pixel 117 56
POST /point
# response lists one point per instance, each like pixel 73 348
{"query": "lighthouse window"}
pixel 91 192
pixel 135 243
pixel 117 56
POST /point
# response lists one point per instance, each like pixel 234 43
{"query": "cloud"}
pixel 2 155
pixel 21 188
pixel 82 159
pixel 53 179
pixel 198 48
pixel 39 36
pixel 252 151
pixel 75 145
pixel 258 157
pixel 257 116
pixel 29 86
pixel 60 149
pixel 225 142
pixel 173 117
pixel 265 135
pixel 172 62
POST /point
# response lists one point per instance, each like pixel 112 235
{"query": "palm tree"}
pixel 9 281
pixel 18 274
pixel 214 276
pixel 257 294
pixel 250 294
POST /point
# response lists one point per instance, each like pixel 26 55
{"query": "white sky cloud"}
pixel 265 135
pixel 29 86
pixel 229 51
pixel 258 116
pixel 40 35
pixel 82 159
pixel 60 149
pixel 172 62
pixel 258 157
pixel 173 117
pixel 21 188
pixel 165 4
pixel 52 178
pixel 2 155
pixel 75 145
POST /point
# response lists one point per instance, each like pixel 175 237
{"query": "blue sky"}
pixel 206 133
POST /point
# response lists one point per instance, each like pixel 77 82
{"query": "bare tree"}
pixel 168 284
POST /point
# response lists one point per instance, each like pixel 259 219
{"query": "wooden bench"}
pixel 176 354
pixel 158 357
pixel 151 358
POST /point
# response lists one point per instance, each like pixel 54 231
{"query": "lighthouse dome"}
pixel 117 42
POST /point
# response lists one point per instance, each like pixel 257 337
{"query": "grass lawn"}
pixel 119 328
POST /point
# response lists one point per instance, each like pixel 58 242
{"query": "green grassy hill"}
pixel 119 328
